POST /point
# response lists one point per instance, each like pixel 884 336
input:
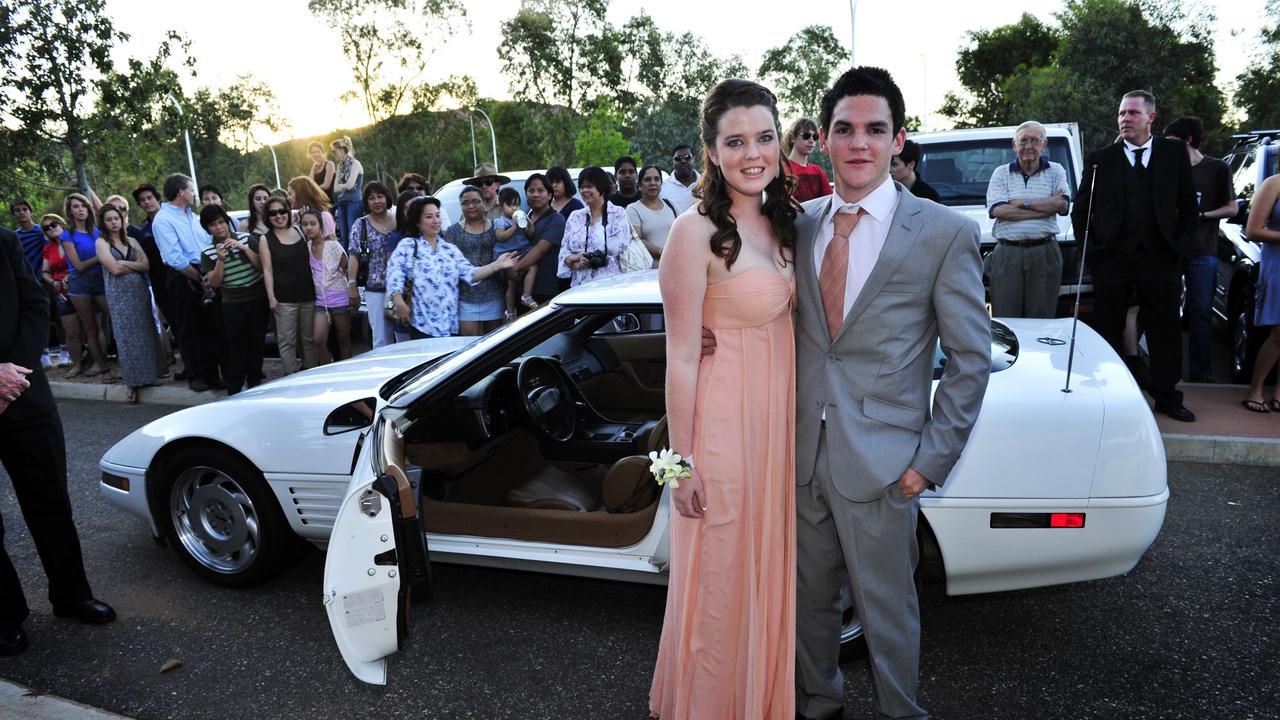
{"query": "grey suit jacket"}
pixel 874 379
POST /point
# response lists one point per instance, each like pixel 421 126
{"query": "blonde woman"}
pixel 304 194
pixel 346 187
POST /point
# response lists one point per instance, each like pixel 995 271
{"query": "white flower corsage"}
pixel 668 466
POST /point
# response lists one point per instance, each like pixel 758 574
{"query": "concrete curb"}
pixel 19 702
pixel 1263 452
pixel 162 395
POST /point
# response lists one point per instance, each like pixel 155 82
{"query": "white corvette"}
pixel 524 449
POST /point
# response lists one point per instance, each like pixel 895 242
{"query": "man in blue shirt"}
pixel 196 317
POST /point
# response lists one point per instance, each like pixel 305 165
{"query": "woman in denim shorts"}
pixel 86 288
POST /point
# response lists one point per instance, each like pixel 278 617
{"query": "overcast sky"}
pixel 304 65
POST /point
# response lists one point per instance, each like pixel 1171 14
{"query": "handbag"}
pixel 635 257
pixel 389 307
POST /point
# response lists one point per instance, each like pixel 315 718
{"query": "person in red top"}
pixel 811 180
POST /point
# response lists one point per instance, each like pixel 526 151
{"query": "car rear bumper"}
pixel 979 558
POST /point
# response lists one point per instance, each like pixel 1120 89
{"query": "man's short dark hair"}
pixel 212 189
pixel 1185 127
pixel 175 184
pixel 910 154
pixel 144 187
pixel 624 160
pixel 680 147
pixel 13 206
pixel 865 80
pixel 211 214
pixel 1148 100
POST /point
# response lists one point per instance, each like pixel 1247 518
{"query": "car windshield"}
pixel 960 170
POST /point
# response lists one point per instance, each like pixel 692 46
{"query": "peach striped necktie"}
pixel 835 268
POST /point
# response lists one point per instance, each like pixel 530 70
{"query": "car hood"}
pixel 366 372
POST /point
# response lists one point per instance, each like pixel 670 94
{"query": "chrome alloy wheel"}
pixel 215 519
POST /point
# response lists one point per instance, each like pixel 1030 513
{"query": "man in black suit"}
pixel 34 455
pixel 1143 222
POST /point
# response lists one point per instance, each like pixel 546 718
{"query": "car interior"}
pixel 549 442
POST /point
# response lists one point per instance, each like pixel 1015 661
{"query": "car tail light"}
pixel 1066 520
pixel 1004 520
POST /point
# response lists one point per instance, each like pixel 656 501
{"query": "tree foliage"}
pixel 389 44
pixel 1157 45
pixel 601 142
pixel 800 70
pixel 1258 87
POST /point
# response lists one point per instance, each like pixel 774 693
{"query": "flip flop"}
pixel 1255 406
pixel 1273 404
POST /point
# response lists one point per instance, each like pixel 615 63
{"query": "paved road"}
pixel 1190 633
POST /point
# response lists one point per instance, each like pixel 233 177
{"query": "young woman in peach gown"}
pixel 728 638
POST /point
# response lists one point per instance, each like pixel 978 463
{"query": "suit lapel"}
pixel 811 295
pixel 903 229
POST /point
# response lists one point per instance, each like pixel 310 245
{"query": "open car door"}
pixel 377 564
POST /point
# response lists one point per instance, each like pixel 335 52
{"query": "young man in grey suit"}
pixel 882 276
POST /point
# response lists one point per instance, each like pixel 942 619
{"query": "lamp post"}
pixel 853 31
pixel 186 134
pixel 493 136
pixel 276 163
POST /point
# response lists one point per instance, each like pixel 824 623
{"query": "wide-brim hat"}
pixel 486 170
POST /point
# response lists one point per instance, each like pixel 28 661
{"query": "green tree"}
pixel 800 69
pixel 601 142
pixel 1157 45
pixel 988 59
pixel 551 51
pixel 389 44
pixel 1258 87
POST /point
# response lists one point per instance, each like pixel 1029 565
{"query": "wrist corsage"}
pixel 668 466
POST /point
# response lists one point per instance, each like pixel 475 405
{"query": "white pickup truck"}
pixel 959 163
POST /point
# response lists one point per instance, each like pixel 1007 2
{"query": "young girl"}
pixel 329 272
pixel 510 230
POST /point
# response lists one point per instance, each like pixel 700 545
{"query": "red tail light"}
pixel 1066 520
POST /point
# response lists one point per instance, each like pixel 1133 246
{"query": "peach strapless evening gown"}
pixel 728 638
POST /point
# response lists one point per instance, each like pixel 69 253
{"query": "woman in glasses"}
pixel 54 269
pixel 811 179
pixel 480 306
pixel 291 293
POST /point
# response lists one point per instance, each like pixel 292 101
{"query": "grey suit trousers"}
pixel 867 537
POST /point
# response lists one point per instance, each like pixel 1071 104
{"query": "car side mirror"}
pixel 352 416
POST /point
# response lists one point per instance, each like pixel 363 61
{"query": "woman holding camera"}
pixel 595 236
pixel 424 273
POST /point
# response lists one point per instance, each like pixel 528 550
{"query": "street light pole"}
pixel 471 121
pixel 186 134
pixel 493 136
pixel 853 31
pixel 276 163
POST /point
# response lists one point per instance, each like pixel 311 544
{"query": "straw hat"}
pixel 486 170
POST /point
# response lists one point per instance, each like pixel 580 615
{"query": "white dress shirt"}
pixel 1146 156
pixel 867 239
pixel 678 193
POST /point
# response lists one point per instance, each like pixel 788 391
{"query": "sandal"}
pixel 1255 406
pixel 131 396
pixel 76 372
pixel 94 371
pixel 1273 404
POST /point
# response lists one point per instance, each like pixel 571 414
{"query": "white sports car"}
pixel 525 449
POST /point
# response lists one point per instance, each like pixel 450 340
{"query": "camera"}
pixel 596 259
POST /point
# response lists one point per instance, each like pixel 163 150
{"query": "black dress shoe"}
pixel 197 385
pixel 89 612
pixel 13 639
pixel 1179 412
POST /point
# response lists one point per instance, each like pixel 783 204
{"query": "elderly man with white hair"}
pixel 1024 197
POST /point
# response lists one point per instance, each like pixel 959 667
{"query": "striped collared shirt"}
pixel 1009 185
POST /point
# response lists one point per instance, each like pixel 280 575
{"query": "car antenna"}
pixel 1084 248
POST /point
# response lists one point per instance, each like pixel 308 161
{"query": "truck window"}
pixel 960 171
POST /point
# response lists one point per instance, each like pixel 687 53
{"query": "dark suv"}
pixel 1252 160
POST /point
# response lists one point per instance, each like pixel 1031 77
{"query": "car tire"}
pixel 853 645
pixel 1242 341
pixel 221 518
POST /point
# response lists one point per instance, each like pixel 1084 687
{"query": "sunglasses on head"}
pixel 277 212
pixel 806 135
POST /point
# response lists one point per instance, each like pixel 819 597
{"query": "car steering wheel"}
pixel 547 397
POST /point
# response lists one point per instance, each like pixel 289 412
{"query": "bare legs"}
pixel 97 337
pixel 1268 354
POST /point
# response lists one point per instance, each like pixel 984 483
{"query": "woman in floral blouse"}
pixel 371 244
pixel 595 236
pixel 434 268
